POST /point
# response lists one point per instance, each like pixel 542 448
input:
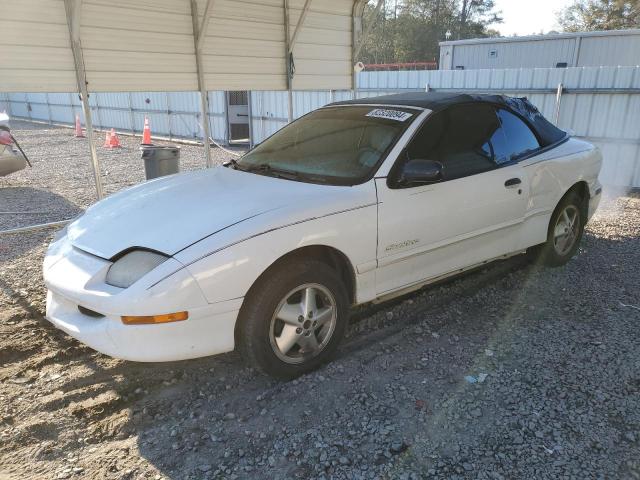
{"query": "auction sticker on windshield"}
pixel 389 114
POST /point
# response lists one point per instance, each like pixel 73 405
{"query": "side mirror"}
pixel 420 172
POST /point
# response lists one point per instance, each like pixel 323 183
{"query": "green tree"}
pixel 410 30
pixel 589 15
pixel 474 17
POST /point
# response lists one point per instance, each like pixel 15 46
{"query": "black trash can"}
pixel 160 160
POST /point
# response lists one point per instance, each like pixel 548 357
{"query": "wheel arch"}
pixel 581 188
pixel 333 257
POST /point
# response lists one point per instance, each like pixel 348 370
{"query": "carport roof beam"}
pixel 303 16
pixel 204 25
pixel 72 10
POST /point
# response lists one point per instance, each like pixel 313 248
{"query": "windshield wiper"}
pixel 233 163
pixel 266 169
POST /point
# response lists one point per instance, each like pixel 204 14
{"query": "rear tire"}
pixel 564 233
pixel 293 319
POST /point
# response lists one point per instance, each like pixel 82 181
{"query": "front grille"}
pixel 89 313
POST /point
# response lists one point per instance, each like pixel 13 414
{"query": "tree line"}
pixel 399 31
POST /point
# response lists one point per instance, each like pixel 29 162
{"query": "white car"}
pixel 12 158
pixel 355 202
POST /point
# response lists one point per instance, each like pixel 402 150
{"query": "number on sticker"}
pixel 398 115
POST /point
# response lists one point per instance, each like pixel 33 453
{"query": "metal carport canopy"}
pixel 176 45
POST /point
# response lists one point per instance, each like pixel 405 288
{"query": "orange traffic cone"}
pixel 113 140
pixel 79 133
pixel 107 139
pixel 146 133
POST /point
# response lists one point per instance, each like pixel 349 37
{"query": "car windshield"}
pixel 336 145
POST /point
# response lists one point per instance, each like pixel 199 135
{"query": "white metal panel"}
pixel 36 55
pixel 539 53
pixel 148 45
pixel 143 45
pixel 606 48
pixel 609 50
pixel 322 52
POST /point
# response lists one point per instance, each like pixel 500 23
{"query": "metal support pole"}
pixel 98 113
pixel 73 109
pixel 46 95
pixel 132 117
pixel 356 38
pixel 72 8
pixel 287 61
pixel 250 120
pixel 204 98
pixel 168 100
pixel 556 113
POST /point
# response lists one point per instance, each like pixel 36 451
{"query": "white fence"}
pixel 172 114
pixel 601 104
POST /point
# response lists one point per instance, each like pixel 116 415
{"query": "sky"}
pixel 526 17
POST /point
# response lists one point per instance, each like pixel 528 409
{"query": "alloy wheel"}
pixel 565 232
pixel 303 323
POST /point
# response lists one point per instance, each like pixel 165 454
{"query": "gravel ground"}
pixel 512 371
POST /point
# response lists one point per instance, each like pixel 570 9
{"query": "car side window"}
pixel 518 139
pixel 460 138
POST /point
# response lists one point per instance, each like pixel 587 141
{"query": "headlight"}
pixel 131 267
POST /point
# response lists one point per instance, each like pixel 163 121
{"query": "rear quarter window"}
pixel 518 138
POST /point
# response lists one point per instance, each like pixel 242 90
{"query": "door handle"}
pixel 512 182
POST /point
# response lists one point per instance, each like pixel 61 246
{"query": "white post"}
pixel 72 8
pixel 556 115
pixel 250 120
pixel 198 38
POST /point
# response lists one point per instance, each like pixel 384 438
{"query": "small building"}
pixel 580 49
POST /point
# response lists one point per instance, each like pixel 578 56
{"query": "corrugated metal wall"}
pixel 621 49
pixel 149 45
pixel 604 114
pixel 601 104
pixel 539 53
pixel 582 49
pixel 172 114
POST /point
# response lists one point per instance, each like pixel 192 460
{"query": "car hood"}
pixel 172 213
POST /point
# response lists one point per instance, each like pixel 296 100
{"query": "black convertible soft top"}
pixel 545 130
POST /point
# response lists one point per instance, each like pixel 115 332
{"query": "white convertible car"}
pixel 355 202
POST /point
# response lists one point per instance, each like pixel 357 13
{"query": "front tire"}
pixel 564 234
pixel 293 319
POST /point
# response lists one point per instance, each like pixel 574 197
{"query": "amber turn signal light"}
pixel 152 319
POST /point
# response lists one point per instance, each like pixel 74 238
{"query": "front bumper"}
pixel 75 278
pixel 208 331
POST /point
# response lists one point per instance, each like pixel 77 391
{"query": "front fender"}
pixel 227 271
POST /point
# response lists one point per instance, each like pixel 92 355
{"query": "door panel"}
pixel 238 116
pixel 427 231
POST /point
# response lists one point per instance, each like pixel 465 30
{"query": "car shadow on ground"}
pixel 26 206
pixel 233 421
pixel 226 408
